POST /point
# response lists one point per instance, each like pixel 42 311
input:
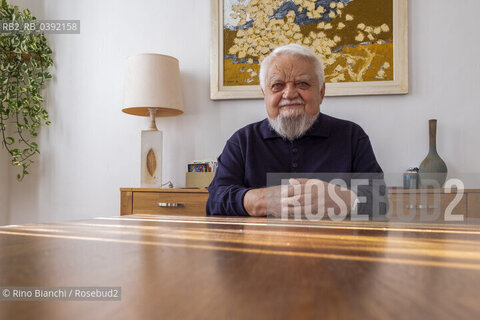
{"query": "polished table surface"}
pixel 246 268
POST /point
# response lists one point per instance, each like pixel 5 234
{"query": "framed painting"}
pixel 363 43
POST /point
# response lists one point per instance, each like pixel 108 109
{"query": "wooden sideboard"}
pixel 192 201
pixel 428 201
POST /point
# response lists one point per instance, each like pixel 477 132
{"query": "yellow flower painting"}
pixel 353 37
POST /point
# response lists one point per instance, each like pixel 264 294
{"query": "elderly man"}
pixel 295 138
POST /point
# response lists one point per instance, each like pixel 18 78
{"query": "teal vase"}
pixel 432 170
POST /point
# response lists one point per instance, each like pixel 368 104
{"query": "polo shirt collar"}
pixel 320 128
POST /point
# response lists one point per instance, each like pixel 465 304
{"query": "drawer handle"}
pixel 421 206
pixel 170 204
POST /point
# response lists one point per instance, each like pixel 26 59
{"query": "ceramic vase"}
pixel 432 170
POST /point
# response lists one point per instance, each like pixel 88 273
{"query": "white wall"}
pixel 92 148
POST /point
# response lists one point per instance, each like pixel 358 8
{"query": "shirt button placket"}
pixel 295 159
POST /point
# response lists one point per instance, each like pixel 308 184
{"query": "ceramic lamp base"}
pixel 151 168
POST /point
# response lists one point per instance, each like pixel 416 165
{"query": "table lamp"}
pixel 152 89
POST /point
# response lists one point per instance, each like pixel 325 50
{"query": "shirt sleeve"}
pixel 227 189
pixel 364 158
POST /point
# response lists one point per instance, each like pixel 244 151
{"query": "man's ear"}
pixel 322 93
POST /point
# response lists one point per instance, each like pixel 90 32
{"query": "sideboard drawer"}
pixel 182 203
pixel 427 204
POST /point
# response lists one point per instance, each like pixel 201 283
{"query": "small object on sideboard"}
pixel 410 179
pixel 433 170
pixel 198 179
pixel 200 173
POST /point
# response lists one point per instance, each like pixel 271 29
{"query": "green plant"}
pixel 24 60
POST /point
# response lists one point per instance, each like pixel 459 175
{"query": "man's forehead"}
pixel 291 67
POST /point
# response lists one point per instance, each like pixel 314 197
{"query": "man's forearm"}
pixel 255 202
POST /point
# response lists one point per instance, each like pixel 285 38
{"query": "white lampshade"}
pixel 153 81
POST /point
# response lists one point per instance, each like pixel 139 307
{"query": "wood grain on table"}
pixel 172 267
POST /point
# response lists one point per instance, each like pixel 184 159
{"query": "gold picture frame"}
pixel 386 78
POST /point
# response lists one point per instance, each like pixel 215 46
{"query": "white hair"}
pixel 292 49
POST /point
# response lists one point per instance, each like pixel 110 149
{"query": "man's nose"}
pixel 290 91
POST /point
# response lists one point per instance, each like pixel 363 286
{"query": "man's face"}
pixel 292 88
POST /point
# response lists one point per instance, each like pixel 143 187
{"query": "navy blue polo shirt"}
pixel 330 145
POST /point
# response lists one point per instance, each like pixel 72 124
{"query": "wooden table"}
pixel 246 268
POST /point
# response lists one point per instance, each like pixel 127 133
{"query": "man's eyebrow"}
pixel 303 77
pixel 275 78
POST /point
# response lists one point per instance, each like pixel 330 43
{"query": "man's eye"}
pixel 303 85
pixel 276 86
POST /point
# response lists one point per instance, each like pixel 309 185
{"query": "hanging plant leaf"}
pixel 24 63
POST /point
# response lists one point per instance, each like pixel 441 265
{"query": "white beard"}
pixel 292 124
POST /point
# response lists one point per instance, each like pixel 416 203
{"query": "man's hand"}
pixel 255 202
pixel 315 199
pixel 310 198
